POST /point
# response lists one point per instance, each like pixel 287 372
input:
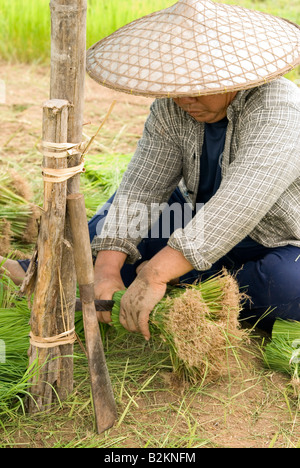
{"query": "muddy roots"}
pixel 201 327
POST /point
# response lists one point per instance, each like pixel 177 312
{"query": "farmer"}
pixel 220 150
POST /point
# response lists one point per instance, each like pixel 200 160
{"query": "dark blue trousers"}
pixel 269 276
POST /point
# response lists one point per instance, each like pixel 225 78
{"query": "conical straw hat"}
pixel 195 47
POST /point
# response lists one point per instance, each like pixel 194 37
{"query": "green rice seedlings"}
pixel 115 320
pixel 282 353
pixel 106 170
pixel 199 324
pixel 15 375
pixel 102 177
pixel 14 344
pixel 14 332
pixel 25 26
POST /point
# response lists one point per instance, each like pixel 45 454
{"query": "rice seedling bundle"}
pixel 282 353
pixel 199 324
pixel 14 342
pixel 17 215
pixel 15 375
pixel 14 332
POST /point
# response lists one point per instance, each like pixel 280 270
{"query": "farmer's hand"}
pixel 139 300
pixel 108 278
pixel 149 288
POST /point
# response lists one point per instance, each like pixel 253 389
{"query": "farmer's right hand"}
pixel 108 278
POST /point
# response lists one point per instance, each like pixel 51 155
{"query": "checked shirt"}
pixel 259 194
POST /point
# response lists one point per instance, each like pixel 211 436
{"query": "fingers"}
pixel 12 269
pixel 127 321
pixel 104 317
pixel 144 328
pixel 134 318
pixel 104 290
pixel 126 317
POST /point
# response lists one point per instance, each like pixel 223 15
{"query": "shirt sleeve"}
pixel 152 175
pixel 267 163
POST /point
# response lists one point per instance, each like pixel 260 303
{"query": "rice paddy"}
pixel 252 404
pixel 25 26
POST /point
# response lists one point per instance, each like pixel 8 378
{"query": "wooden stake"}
pixel 45 309
pixel 68 69
pixel 104 404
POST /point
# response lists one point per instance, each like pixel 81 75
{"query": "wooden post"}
pixel 68 69
pixel 104 403
pixel 50 240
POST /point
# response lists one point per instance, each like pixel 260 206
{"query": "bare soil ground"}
pixel 27 87
pixel 250 407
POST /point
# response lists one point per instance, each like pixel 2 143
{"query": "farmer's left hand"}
pixel 139 300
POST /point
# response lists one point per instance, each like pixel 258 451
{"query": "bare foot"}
pixel 12 269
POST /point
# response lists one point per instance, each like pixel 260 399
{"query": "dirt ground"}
pixel 248 410
pixel 27 87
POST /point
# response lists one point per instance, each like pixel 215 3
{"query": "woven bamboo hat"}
pixel 195 47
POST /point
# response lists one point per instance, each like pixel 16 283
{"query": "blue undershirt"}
pixel 211 167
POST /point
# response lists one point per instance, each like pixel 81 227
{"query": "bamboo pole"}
pixel 50 240
pixel 104 403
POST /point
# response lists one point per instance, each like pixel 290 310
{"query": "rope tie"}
pixel 67 337
pixel 63 150
pixel 61 175
pixel 59 151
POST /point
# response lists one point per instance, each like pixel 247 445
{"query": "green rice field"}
pixel 25 24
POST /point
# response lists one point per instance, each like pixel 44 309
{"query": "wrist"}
pixel 165 266
pixel 110 261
